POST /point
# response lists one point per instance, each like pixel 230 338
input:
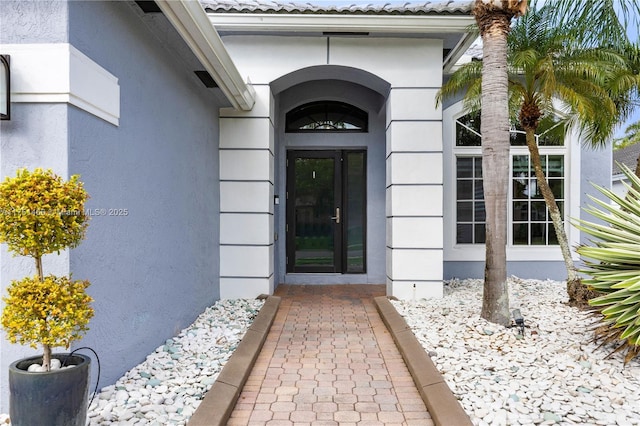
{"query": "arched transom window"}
pixel 326 116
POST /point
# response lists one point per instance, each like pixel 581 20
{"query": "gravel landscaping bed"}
pixel 551 375
pixel 169 385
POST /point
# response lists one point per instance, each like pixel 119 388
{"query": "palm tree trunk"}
pixel 574 285
pixel 494 28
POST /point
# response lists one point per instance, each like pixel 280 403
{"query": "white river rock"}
pixel 551 375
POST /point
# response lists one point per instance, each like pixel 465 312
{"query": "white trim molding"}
pixel 191 22
pixel 60 73
pixel 419 24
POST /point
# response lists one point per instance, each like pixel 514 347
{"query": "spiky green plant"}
pixel 613 263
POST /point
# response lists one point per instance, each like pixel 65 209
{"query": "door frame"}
pixel 340 182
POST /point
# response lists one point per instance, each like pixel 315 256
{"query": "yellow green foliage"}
pixel 40 213
pixel 51 312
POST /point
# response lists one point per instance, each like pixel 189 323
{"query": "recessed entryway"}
pixel 326 211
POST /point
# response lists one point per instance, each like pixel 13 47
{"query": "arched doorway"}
pixel 330 140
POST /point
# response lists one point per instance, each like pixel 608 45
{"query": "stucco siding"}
pixel 153 259
pixel 540 270
pixel 42 21
pixel 152 246
pixel 35 137
pixel 596 165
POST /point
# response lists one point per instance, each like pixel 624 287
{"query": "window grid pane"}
pixel 532 223
pixel 530 220
pixel 470 212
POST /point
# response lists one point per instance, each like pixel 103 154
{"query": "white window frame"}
pixel 476 252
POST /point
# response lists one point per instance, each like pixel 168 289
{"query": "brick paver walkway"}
pixel 329 360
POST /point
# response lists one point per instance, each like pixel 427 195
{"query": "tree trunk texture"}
pixel 494 22
pixel 578 294
pixel 46 357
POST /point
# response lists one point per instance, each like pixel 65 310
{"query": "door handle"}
pixel 337 216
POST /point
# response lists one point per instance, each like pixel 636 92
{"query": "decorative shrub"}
pixel 51 312
pixel 41 214
pixel 613 263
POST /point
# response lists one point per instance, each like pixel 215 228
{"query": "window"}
pixel 530 224
pixel 550 132
pixel 331 116
pixel 470 211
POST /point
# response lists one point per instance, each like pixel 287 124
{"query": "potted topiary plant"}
pixel 42 214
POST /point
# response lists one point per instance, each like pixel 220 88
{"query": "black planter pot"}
pixel 54 398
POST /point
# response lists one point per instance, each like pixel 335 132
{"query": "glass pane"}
pixel 314 207
pixel 464 167
pixel 538 233
pixel 480 237
pixel 520 189
pixel 553 238
pixel 557 187
pixel 561 207
pixel 555 166
pixel 464 234
pixel 468 130
pixel 538 211
pixel 479 190
pixel 520 233
pixel 355 214
pixel 520 166
pixel 464 211
pixel 464 190
pixel 520 211
pixel 533 190
pixel 518 138
pixel 477 162
pixel 326 116
pixel 479 211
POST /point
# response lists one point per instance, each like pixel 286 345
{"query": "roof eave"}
pixel 415 24
pixel 456 53
pixel 192 23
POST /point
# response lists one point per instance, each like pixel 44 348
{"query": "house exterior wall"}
pixel 246 199
pixel 413 70
pixel 596 166
pixel 153 255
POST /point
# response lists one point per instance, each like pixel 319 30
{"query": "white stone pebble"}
pixel 551 375
pixel 168 386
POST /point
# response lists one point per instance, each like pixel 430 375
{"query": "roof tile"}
pixel 390 8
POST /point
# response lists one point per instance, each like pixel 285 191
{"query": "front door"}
pixel 326 211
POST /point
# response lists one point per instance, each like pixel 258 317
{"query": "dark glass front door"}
pixel 326 207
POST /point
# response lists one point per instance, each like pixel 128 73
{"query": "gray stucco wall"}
pixel 540 270
pixel 35 137
pixel 155 268
pixel 595 167
pixel 42 21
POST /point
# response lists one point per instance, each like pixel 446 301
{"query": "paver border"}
pixel 443 406
pixel 219 401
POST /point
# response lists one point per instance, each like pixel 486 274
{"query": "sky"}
pixel 632 30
